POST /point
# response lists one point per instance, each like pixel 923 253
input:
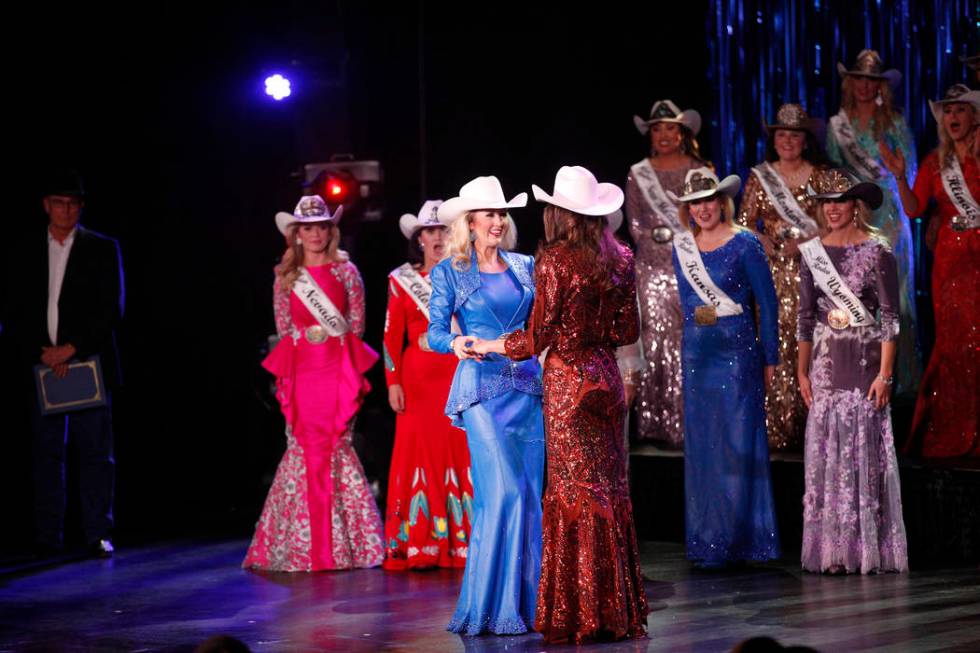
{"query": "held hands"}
pixel 893 160
pixel 465 347
pixel 396 398
pixel 484 347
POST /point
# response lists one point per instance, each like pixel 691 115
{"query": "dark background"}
pixel 186 162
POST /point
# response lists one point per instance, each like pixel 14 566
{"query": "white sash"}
pixel 649 183
pixel 829 280
pixel 697 276
pixel 419 289
pixel 783 201
pixel 959 194
pixel 317 302
pixel 866 166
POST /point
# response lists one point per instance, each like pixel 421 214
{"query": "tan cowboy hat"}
pixel 868 64
pixel 702 183
pixel 955 94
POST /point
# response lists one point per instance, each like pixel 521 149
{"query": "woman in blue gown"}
pixel 726 358
pixel 489 291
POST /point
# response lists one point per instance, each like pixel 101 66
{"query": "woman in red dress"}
pixel 946 413
pixel 585 307
pixel 430 495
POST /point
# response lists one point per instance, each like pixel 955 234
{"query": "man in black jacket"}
pixel 63 302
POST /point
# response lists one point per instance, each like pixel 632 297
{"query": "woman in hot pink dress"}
pixel 319 513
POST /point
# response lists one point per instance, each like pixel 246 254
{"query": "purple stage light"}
pixel 277 87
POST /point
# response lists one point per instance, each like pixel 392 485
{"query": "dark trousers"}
pixel 90 431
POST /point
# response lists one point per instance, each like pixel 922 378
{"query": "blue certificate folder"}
pixel 82 388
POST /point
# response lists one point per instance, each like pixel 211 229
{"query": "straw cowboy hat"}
pixel 702 183
pixel 576 189
pixel 310 208
pixel 482 193
pixel 868 64
pixel 955 94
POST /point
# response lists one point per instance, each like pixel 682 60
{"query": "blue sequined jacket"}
pixel 456 292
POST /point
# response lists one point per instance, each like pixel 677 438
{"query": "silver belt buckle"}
pixel 315 334
pixel 662 234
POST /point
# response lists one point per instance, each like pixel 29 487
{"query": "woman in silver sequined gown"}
pixel 674 151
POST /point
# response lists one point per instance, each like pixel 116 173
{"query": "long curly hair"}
pixel 587 235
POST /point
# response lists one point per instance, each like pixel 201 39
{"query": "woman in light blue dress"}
pixel 729 511
pixel 488 292
pixel 867 117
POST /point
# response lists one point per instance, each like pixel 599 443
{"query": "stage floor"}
pixel 170 597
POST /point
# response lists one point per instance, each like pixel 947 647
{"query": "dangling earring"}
pixel 421 245
pixel 879 100
pixel 299 241
pixel 472 236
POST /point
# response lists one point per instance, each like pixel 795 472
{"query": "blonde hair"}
pixel 292 259
pixel 946 148
pixel 727 215
pixel 862 218
pixel 460 248
pixel 884 114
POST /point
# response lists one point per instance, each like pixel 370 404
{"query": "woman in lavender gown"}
pixel 848 327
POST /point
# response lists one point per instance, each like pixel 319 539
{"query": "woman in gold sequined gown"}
pixel 793 152
pixel 673 151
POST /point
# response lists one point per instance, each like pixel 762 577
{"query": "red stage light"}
pixel 336 190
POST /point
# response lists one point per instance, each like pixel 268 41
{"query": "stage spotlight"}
pixel 277 87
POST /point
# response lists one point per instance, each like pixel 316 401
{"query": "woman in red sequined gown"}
pixel 430 495
pixel 946 413
pixel 585 307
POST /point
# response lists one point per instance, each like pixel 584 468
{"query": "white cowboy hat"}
pixel 955 94
pixel 427 217
pixel 667 111
pixel 310 208
pixel 482 193
pixel 702 183
pixel 868 63
pixel 615 220
pixel 576 189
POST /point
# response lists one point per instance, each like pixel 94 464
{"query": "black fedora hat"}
pixel 65 181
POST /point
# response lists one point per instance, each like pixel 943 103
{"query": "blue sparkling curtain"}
pixel 768 52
